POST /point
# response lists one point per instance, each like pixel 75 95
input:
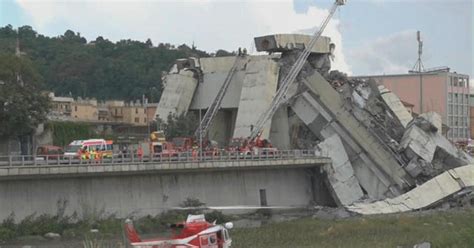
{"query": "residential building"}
pixel 441 91
pixel 84 110
pixel 135 113
pixel 114 110
pixel 151 111
pixel 61 106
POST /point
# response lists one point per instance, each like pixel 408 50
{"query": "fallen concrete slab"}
pixel 425 195
pixel 342 181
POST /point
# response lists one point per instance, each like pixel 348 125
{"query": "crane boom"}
pixel 216 104
pixel 280 96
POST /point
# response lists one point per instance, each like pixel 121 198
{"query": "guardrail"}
pixel 29 160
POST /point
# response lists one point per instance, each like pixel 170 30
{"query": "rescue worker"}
pixel 140 152
pixel 93 153
pixel 194 152
pixel 97 155
pixel 85 153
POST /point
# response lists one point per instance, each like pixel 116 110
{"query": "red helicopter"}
pixel 196 232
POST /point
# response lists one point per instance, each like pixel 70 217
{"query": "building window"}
pixel 144 110
pixel 455 80
pixel 115 111
pixel 75 109
pixel 136 111
pixel 137 120
pixel 144 119
pixel 450 97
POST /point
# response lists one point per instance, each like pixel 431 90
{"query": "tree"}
pixel 224 53
pixel 123 70
pixel 149 43
pixel 22 106
pixel 182 125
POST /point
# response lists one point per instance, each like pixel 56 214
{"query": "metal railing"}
pixel 117 159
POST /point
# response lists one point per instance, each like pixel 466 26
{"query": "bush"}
pixel 7 234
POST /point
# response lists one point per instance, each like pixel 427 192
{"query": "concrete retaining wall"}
pixel 141 194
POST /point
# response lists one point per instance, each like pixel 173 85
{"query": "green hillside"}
pixel 71 65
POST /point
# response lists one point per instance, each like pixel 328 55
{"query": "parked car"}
pixel 49 152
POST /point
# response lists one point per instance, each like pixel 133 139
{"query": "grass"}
pixel 441 229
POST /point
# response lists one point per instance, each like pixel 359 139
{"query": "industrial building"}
pixel 442 91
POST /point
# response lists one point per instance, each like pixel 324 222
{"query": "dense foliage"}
pixel 65 132
pixel 70 65
pixel 22 107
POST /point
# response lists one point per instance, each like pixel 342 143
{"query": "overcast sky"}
pixel 371 36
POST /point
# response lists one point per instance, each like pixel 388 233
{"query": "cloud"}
pixel 395 53
pixel 211 25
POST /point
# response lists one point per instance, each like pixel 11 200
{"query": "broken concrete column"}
pixel 344 185
pixel 177 95
pixel 258 88
pixel 313 115
pixel 377 150
pixel 279 135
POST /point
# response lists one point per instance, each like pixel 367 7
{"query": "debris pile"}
pixel 436 168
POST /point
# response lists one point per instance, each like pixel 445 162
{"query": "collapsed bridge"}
pixel 378 150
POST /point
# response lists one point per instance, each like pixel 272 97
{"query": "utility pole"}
pixel 418 67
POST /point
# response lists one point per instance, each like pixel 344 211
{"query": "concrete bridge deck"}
pixel 132 166
pixel 149 187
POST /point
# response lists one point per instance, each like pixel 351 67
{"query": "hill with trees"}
pixel 71 65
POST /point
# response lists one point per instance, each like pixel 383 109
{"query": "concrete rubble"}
pixel 379 151
pixel 440 187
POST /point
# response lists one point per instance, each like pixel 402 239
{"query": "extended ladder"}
pixel 280 96
pixel 216 104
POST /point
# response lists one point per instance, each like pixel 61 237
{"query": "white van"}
pixel 90 144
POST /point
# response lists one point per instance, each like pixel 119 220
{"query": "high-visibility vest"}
pixel 86 154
